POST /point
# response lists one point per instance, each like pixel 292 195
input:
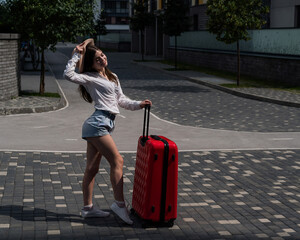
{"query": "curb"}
pixel 245 95
pixel 227 90
pixel 11 111
pixel 39 109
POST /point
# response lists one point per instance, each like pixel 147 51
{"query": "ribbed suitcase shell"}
pixel 149 191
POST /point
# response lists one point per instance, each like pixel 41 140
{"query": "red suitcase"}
pixel 154 197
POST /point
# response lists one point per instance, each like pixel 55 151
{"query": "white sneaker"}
pixel 122 212
pixel 93 212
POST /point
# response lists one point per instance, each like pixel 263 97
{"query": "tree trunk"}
pixel 42 78
pixel 175 52
pixel 238 64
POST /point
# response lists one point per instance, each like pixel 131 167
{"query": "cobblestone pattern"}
pixel 273 94
pixel 221 195
pixel 186 103
pixel 29 104
pixel 8 66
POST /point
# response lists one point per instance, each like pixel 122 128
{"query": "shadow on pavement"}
pixel 24 213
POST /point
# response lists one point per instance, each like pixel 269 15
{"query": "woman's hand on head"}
pixel 80 48
pixel 145 102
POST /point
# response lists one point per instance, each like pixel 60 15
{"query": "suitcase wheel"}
pixel 149 223
pixel 132 211
pixel 170 223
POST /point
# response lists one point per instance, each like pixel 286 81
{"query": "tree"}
pixel 141 19
pixel 4 15
pixel 48 21
pixel 176 20
pixel 100 27
pixel 230 20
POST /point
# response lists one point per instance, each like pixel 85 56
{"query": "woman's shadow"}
pixel 25 213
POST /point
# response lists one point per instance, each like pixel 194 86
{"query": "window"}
pixel 123 5
pixel 110 6
pixel 195 22
pixel 200 2
pixel 153 5
pixel 297 16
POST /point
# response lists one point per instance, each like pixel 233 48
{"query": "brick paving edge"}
pixel 39 109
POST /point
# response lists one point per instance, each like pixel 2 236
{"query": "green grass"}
pixel 245 81
pixel 46 94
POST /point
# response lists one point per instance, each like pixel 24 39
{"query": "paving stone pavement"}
pixel 273 94
pixel 29 104
pixel 221 195
pixel 191 104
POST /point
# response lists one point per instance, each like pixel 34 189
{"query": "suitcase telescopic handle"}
pixel 146 123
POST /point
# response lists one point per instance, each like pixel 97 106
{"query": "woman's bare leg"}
pixel 92 168
pixel 107 147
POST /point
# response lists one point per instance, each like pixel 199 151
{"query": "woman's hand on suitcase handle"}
pixel 145 103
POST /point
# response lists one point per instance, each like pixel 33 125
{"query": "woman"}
pixel 99 85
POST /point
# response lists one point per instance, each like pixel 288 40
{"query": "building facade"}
pixel 273 53
pixel 155 41
pixel 285 14
pixel 198 15
pixel 117 14
pixel 117 11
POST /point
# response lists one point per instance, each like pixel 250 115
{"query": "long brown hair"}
pixel 88 67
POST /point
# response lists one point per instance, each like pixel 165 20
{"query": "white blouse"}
pixel 106 94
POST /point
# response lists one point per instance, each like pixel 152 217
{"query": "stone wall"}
pixel 281 69
pixel 9 66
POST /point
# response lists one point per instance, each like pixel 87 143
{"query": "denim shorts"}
pixel 100 123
